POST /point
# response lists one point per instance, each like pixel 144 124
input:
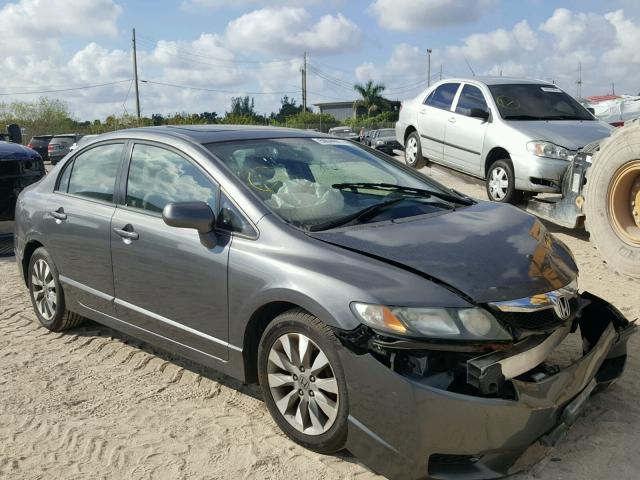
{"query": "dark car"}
pixel 385 141
pixel 19 167
pixel 378 310
pixel 40 144
pixel 60 145
pixel 345 132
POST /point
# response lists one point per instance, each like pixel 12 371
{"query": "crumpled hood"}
pixel 488 251
pixel 571 134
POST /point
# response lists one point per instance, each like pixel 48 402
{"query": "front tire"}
pixel 500 183
pixel 413 151
pixel 46 294
pixel 303 382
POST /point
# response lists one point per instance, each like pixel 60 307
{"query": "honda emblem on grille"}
pixel 562 307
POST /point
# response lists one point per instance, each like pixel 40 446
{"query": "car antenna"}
pixel 469 65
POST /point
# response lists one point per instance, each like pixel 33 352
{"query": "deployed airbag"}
pixel 300 199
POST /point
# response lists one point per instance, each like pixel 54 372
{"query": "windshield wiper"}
pixel 524 117
pixel 360 216
pixel 548 117
pixel 390 187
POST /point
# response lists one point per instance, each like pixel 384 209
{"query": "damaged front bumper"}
pixel 406 426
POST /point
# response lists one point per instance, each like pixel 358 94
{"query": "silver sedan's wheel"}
pixel 498 184
pixel 303 384
pixel 411 151
pixel 44 289
pixel 501 182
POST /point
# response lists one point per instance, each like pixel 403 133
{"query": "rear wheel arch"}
pixel 408 131
pixel 30 247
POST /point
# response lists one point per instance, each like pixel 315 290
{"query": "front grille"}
pixel 537 321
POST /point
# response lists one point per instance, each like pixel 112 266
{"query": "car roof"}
pixel 14 151
pixel 497 80
pixel 213 133
pixel 64 135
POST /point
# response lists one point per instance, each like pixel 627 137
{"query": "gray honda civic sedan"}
pixel 379 311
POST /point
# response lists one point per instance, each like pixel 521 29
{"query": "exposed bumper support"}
pixel 489 371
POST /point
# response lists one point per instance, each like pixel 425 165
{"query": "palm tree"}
pixel 371 94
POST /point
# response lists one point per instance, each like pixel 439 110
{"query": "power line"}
pixel 57 90
pixel 234 92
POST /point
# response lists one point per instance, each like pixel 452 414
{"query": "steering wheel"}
pixel 507 102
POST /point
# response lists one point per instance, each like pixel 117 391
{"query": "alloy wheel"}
pixel 498 183
pixel 303 384
pixel 44 289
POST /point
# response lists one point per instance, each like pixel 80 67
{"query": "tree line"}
pixel 53 116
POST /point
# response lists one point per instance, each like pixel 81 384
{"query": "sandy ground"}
pixel 94 403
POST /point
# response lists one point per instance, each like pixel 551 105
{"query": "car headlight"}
pixel 442 323
pixel 549 150
pixel 379 142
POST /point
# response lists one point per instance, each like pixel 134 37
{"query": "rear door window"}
pixel 442 97
pixel 94 172
pixel 470 97
pixel 158 176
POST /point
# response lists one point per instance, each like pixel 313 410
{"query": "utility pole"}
pixel 579 82
pixel 429 66
pixel 304 82
pixel 613 88
pixel 135 74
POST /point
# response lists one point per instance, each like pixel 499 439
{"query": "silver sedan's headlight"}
pixel 379 142
pixel 441 323
pixel 549 150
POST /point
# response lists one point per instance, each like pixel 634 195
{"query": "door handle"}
pixel 127 232
pixel 424 110
pixel 59 214
pixel 452 119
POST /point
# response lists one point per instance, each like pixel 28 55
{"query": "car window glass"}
pixel 470 97
pixel 232 219
pixel 94 172
pixel 536 102
pixel 443 96
pixel 63 182
pixel 158 176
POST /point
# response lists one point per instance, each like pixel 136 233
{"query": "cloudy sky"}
pixel 196 54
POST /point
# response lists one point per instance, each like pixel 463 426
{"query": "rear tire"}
pixel 413 151
pixel 612 196
pixel 47 296
pixel 312 388
pixel 500 183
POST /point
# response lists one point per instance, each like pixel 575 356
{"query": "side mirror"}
pixel 479 113
pixel 196 215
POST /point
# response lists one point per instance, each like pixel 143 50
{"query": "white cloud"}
pixel 291 31
pixel 198 5
pixel 497 45
pixel 627 47
pixel 578 30
pixel 408 15
pixel 32 26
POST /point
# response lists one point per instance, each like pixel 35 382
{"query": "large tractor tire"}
pixel 612 200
